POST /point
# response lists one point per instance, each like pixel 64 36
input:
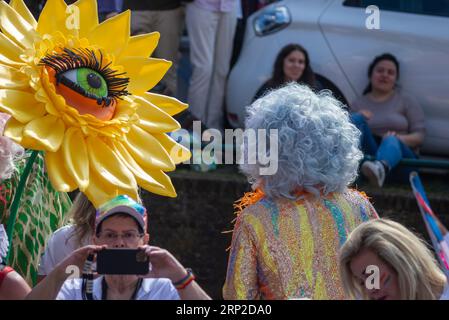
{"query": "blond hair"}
pixel 82 214
pixel 419 276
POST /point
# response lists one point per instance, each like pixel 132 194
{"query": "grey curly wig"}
pixel 317 144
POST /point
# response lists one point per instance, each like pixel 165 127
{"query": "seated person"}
pixel 407 269
pixel 291 64
pixel 121 223
pixel 391 123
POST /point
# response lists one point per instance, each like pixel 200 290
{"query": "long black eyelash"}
pixel 86 58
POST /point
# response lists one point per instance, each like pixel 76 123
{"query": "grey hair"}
pixel 317 144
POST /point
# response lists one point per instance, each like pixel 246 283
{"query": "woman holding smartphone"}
pixel 120 223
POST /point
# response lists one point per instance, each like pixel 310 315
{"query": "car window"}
pixel 427 7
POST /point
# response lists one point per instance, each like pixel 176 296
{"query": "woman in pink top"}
pixel 391 123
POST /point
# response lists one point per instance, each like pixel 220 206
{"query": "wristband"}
pixel 184 282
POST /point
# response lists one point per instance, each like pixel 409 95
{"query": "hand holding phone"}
pixel 164 264
pixel 122 261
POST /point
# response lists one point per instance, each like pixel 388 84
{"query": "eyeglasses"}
pixel 129 237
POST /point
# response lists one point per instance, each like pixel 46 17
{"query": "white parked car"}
pixel 341 47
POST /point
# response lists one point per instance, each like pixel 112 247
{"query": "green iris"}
pixel 87 82
pixel 92 82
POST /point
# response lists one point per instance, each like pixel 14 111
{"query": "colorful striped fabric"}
pixel 288 249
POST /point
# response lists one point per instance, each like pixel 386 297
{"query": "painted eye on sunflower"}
pixel 86 84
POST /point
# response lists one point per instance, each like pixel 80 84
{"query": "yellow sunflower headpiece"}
pixel 77 90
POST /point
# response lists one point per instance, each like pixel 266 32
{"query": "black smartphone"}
pixel 122 261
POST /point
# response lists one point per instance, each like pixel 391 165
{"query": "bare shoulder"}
pixel 14 287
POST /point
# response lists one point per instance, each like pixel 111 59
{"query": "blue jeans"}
pixel 390 149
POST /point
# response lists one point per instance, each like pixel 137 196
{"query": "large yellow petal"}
pixel 143 179
pixel 22 9
pixel 11 78
pixel 113 34
pixel 104 163
pixel 56 17
pixel 97 193
pixel 6 61
pixel 170 105
pixel 9 51
pixel 100 191
pixel 59 177
pixel 16 27
pixel 14 130
pixel 126 111
pixel 144 73
pixel 76 159
pixel 89 16
pixel 46 133
pixel 21 105
pixel 142 45
pixel 153 119
pixel 177 152
pixel 168 190
pixel 147 151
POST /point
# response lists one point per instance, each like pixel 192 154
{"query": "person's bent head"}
pixel 383 74
pixel 405 268
pixel 317 148
pixel 121 223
